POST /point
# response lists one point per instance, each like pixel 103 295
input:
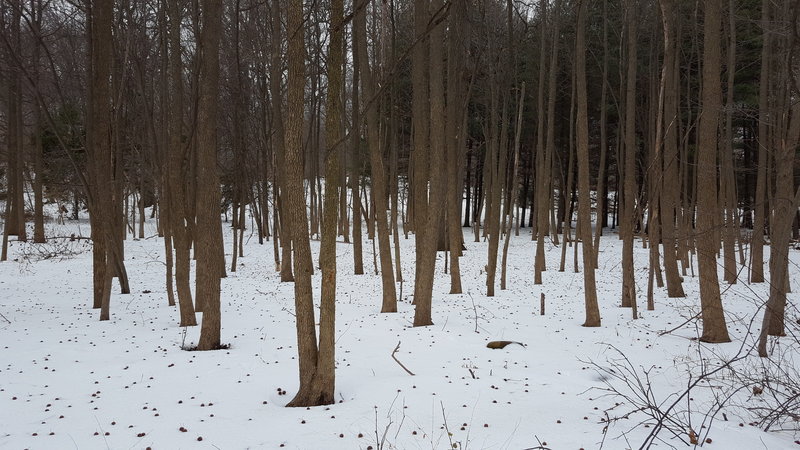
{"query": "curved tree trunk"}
pixel 177 169
pixel 389 302
pixel 324 380
pixel 309 393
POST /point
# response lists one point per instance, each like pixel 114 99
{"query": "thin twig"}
pixel 398 361
pixel 682 324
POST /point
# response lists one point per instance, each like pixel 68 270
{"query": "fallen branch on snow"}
pixel 398 361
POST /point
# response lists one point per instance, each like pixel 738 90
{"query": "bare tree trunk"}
pixel 160 141
pixel 785 203
pixel 785 206
pixel 567 182
pixel 629 174
pixel 393 190
pixel 99 133
pixel 140 205
pixel 727 175
pixel 38 160
pixel 177 169
pixel 493 223
pixel 279 140
pixel 455 141
pixel 544 163
pixel 15 220
pixel 389 302
pixel 669 189
pixel 324 380
pixel 714 327
pixel 210 264
pixel 759 220
pixel 355 175
pixel 654 182
pixel 308 353
pixel 601 171
pixel 423 284
pixel 514 184
pixel 584 208
pixel 425 256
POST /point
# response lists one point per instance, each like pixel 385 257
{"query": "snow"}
pixel 70 381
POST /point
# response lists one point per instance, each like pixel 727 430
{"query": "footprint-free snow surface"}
pixel 68 380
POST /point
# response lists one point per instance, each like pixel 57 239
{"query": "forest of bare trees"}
pixel 666 124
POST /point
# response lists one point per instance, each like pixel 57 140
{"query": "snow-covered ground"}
pixel 70 381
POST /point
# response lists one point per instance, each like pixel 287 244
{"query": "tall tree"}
pixel 316 386
pixel 786 142
pixel 99 142
pixel 627 217
pixel 759 202
pixel 584 209
pixel 602 187
pixel 177 170
pixel 355 163
pixel 379 195
pixel 425 257
pixel 35 23
pixel 326 364
pixel 456 139
pixel 210 262
pixel 714 327
pixel 544 158
pixel 279 140
pixel 726 171
pixel 15 220
pixel 669 189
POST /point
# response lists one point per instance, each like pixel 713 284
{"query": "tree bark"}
pixel 627 217
pixel 455 141
pixel 324 380
pixel 279 141
pixel 210 263
pixel 355 171
pixel 727 175
pixel 584 208
pixel 601 171
pixel 669 189
pixel 420 106
pixel 714 327
pixel 759 206
pixel 423 285
pixel 537 161
pixel 38 126
pixel 297 220
pixel 177 169
pixel 389 300
pixel 99 132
